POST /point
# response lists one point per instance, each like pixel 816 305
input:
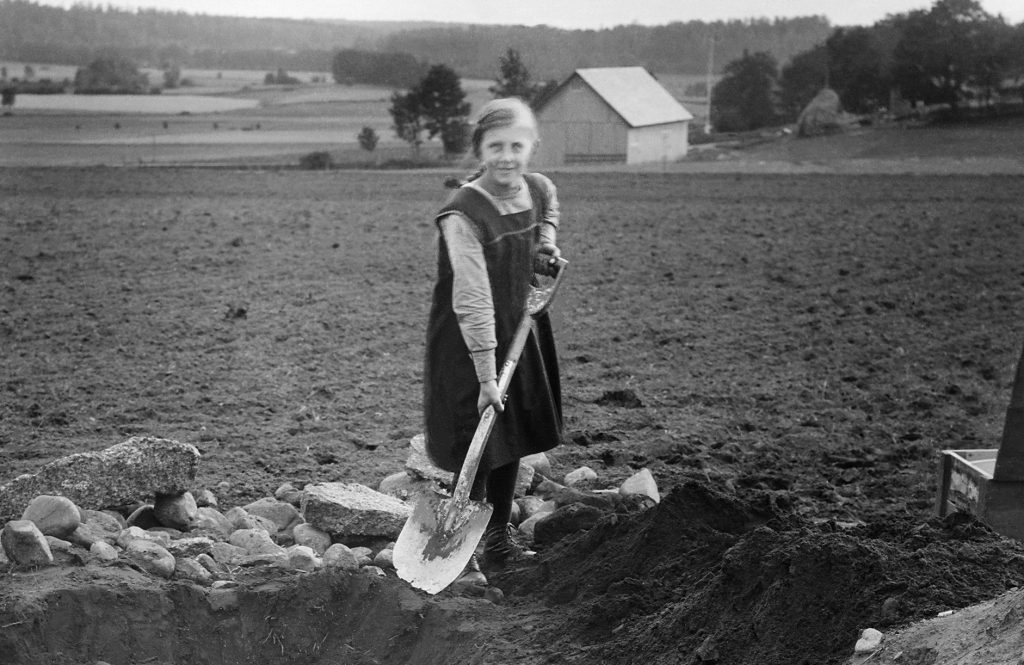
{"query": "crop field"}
pixel 805 342
pixel 232 119
pixel 786 333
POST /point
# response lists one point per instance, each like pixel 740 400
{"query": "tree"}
pixel 744 98
pixel 7 96
pixel 802 78
pixel 947 51
pixel 443 103
pixel 407 118
pixel 172 76
pixel 514 80
pixel 860 67
pixel 368 139
pixel 113 74
pixel 436 105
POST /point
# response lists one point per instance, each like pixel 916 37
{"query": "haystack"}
pixel 823 115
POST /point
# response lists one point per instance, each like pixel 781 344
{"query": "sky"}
pixel 569 14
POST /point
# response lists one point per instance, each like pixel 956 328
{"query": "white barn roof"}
pixel 635 95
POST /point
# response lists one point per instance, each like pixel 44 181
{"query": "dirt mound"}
pixel 746 581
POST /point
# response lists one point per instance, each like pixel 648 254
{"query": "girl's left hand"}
pixel 546 260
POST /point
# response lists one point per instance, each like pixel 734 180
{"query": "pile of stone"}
pixel 73 512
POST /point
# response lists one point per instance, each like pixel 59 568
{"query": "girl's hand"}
pixel 546 261
pixel 489 397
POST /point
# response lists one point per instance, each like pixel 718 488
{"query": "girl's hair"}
pixel 501 113
pixel 497 114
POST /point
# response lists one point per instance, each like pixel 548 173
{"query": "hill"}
pixel 30 32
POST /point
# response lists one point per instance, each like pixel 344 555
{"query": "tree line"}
pixel 953 54
pixel 36 33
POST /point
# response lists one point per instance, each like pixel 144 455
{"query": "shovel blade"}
pixel 435 544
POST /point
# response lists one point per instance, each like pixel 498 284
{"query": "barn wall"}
pixel 658 143
pixel 578 126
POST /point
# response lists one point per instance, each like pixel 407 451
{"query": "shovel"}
pixel 441 534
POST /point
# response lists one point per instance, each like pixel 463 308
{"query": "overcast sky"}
pixel 591 14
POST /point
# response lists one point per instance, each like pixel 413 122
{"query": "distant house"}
pixel 611 114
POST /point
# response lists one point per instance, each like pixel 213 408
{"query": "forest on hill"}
pixel 30 32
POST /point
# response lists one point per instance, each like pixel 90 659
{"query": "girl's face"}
pixel 505 152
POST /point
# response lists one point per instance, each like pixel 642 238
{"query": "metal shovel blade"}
pixel 437 541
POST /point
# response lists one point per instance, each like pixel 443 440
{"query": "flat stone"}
pixel 302 558
pixel 407 486
pixel 211 564
pixel 241 519
pixel 255 541
pixel 177 511
pixel 348 509
pixel 103 551
pixel 123 474
pixel 107 521
pixel 205 498
pixel 870 640
pixel 289 494
pixel 641 482
pixel 385 559
pixel 210 519
pixel 539 462
pixel 150 557
pixel 581 475
pixel 187 568
pixel 190 547
pixel 53 515
pixel 419 463
pixel 524 480
pixel 340 556
pixel 135 533
pixel 312 537
pixel 227 554
pixel 283 514
pixel 21 545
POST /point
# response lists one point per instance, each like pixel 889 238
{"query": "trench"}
pixel 121 616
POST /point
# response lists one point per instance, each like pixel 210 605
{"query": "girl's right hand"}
pixel 489 396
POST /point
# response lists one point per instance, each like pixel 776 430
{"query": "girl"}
pixel 494 230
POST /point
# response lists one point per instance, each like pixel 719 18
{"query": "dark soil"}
pixel 787 354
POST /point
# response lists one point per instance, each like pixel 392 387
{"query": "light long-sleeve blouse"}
pixel 471 290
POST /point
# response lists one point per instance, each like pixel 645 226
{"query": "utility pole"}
pixel 711 71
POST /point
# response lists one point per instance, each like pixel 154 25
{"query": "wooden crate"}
pixel 966 484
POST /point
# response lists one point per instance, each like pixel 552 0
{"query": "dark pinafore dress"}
pixel 532 420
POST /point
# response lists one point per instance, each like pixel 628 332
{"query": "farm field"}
pixel 234 120
pixel 788 353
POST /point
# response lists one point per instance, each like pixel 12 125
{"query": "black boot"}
pixel 501 547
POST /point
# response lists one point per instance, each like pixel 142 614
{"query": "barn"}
pixel 611 114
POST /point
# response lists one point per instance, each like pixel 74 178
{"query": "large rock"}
pixel 283 514
pixel 150 557
pixel 54 515
pixel 24 543
pixel 177 511
pixel 348 509
pixel 120 475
